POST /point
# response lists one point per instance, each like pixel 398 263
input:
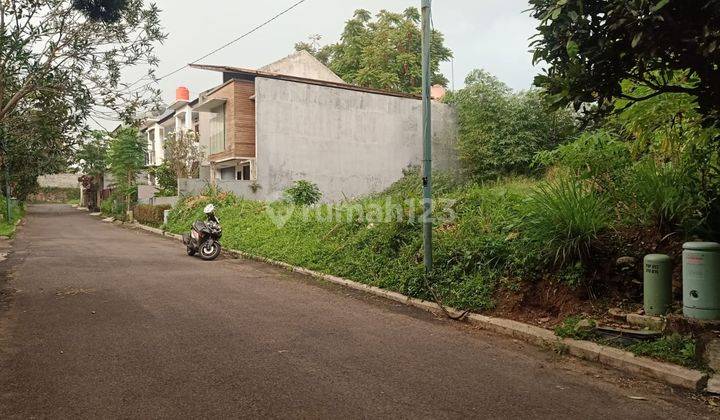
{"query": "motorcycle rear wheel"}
pixel 209 252
pixel 191 251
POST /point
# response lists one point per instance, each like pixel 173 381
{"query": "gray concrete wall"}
pixel 303 64
pixel 192 186
pixel 239 188
pixel 59 181
pixel 159 201
pixel 348 143
pixel 146 192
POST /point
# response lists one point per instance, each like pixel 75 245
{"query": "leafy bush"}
pixel 112 206
pixel 501 131
pixel 7 228
pixel 563 219
pixel 303 193
pixel 659 194
pixel 166 179
pixel 598 156
pixel 148 214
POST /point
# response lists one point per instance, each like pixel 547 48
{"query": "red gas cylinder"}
pixel 182 94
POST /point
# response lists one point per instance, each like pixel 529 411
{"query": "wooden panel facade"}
pixel 239 120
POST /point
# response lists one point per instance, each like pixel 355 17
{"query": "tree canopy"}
pixel 384 53
pixel 501 131
pixel 591 47
pixel 61 62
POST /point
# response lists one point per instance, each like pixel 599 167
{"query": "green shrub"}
pixel 17 209
pixel 500 131
pixel 166 179
pixel 303 193
pixel 659 194
pixel 148 214
pixel 112 206
pixel 563 219
pixel 598 156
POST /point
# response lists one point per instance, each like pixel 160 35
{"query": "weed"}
pixel 564 218
pixel 673 348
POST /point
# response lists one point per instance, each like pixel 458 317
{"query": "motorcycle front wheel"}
pixel 209 252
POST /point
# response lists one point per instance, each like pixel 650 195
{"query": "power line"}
pixel 250 32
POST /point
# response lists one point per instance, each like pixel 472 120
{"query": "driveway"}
pixel 103 321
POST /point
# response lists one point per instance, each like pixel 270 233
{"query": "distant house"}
pixel 179 117
pixel 295 119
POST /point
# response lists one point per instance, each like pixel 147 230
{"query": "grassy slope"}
pixel 8 229
pixel 473 253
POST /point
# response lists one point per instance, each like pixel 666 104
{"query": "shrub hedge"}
pixel 150 215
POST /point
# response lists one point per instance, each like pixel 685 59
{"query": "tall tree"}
pixel 71 52
pixel 384 53
pixel 126 158
pixel 592 46
pixel 77 49
pixel 183 155
pixel 501 131
pixel 92 158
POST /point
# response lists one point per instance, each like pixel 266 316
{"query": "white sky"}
pixel 489 34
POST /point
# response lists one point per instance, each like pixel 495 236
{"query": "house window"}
pixel 243 173
pixel 227 174
pixel 217 131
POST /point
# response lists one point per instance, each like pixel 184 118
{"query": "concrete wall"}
pixel 59 181
pixel 146 192
pixel 303 64
pixel 349 143
pixel 159 201
pixel 239 188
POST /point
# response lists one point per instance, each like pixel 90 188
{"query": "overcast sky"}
pixel 489 34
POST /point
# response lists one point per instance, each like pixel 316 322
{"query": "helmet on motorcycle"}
pixel 209 209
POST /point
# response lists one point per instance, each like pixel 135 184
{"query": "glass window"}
pixel 217 131
pixel 243 173
pixel 226 174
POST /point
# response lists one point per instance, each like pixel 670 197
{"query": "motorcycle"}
pixel 204 237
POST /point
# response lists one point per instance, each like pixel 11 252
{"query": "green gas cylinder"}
pixel 701 280
pixel 657 284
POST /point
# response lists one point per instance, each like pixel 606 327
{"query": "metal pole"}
pixel 427 133
pixel 6 164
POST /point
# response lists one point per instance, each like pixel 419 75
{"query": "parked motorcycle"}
pixel 204 237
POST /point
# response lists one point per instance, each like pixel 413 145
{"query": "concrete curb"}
pixel 609 356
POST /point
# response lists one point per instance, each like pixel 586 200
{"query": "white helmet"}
pixel 209 209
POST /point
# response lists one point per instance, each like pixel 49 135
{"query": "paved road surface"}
pixel 104 321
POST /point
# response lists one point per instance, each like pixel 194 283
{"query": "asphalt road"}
pixel 101 321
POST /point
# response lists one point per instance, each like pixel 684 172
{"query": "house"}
pixel 294 119
pixel 179 118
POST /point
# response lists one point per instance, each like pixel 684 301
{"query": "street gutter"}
pixel 624 361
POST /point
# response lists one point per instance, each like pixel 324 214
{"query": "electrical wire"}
pixel 220 48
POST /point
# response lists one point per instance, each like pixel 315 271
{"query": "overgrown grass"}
pixel 7 228
pixel 673 348
pixel 566 216
pixel 378 240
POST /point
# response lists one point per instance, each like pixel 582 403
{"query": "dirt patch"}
pixel 613 279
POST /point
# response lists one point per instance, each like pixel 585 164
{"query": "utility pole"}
pixel 427 137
